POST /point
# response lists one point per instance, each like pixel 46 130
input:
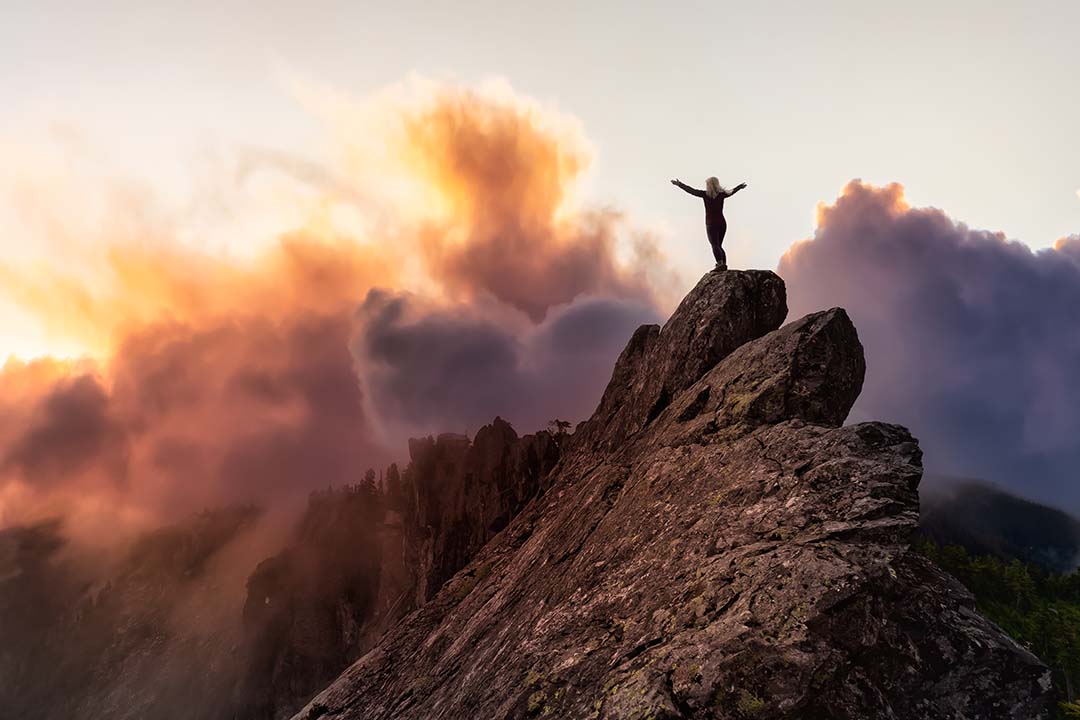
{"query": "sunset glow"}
pixel 467 199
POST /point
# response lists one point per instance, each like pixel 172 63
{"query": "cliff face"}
pixel 712 544
pixel 722 313
pixel 360 560
pixel 161 634
pixel 143 644
pixel 309 609
pixel 457 495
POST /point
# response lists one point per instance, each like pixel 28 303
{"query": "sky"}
pixel 404 189
pixel 972 110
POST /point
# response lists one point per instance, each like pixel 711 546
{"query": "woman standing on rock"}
pixel 715 224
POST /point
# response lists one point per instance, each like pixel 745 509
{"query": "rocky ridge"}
pixel 712 544
pixel 167 629
pixel 458 494
pixel 313 608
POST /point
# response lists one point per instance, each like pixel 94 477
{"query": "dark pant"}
pixel 716 239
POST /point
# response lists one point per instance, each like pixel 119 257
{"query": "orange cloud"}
pixel 227 376
pixel 224 384
pixel 506 179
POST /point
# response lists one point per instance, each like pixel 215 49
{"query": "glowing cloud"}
pixel 271 367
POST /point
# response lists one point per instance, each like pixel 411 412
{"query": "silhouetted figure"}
pixel 715 224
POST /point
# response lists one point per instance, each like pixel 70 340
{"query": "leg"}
pixel 716 240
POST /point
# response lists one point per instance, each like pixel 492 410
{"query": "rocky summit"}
pixel 712 543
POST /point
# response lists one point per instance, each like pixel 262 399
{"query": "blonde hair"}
pixel 712 187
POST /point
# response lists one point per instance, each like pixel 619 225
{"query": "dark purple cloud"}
pixel 972 340
pixel 430 369
pixel 70 431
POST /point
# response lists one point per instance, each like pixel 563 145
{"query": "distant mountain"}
pixel 990 521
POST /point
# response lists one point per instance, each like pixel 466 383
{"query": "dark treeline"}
pixel 1038 608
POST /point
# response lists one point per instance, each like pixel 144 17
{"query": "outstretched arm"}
pixel 687 188
pixel 735 189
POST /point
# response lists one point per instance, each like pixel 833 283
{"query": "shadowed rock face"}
pixel 309 609
pixel 458 495
pixel 359 561
pixel 724 311
pixel 729 551
pixel 73 648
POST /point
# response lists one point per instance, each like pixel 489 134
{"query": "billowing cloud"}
pixel 533 303
pixel 455 368
pixel 451 278
pixel 503 179
pixel 971 339
pixel 232 393
pixel 70 430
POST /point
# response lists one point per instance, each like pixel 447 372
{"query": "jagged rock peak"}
pixel 729 553
pixel 724 311
pixel 462 493
pixel 811 369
